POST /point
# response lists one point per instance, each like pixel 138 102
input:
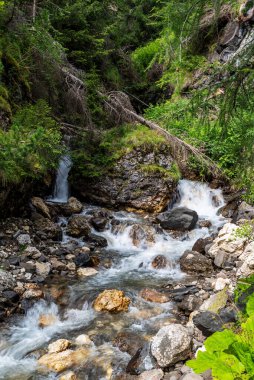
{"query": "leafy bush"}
pixel 230 355
pixel 31 146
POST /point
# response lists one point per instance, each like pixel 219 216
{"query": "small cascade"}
pixel 61 189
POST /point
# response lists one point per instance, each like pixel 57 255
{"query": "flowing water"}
pixel 133 242
pixel 61 189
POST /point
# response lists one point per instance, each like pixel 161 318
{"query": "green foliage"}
pixel 229 354
pixel 95 160
pixel 31 146
pixel 245 231
pixel 172 173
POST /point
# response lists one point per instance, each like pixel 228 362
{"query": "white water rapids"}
pixel 131 271
pixel 61 189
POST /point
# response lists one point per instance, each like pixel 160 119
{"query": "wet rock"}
pixel 99 223
pixel 159 262
pixel 46 320
pixel 86 272
pixel 7 281
pixel 208 322
pixel 69 376
pixel 58 346
pixel 61 361
pixel 73 206
pixel 154 374
pixel 142 234
pixel 129 342
pixel 170 345
pixel 96 241
pixel 179 294
pixel 83 260
pixel 24 239
pixel 138 362
pixel 129 185
pixel 201 243
pixel 78 226
pixel 41 206
pixel 194 262
pixel 180 219
pixel 83 340
pixel 32 293
pixel 42 269
pixel 247 260
pixel 204 224
pixel 190 303
pixel 112 301
pixel 153 296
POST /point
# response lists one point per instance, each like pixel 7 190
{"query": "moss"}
pixel 172 173
pixel 4 105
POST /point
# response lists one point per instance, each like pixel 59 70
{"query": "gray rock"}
pixel 6 280
pixel 43 269
pixel 179 219
pixel 191 376
pixel 24 239
pixel 194 262
pixel 170 345
pixel 78 226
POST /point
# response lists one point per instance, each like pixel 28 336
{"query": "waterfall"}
pixel 61 189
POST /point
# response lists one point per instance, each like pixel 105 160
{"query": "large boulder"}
pixel 73 206
pixel 194 262
pixel 61 361
pixel 111 300
pixel 143 179
pixel 170 345
pixel 179 219
pixel 41 206
pixel 46 229
pixel 78 226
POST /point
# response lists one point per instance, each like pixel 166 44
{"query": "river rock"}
pixel 78 226
pixel 24 239
pixel 43 269
pixel 46 320
pixel 99 223
pixel 194 262
pixel 83 340
pixel 215 302
pixel 112 301
pixel 7 281
pixel 46 229
pixel 61 361
pixel 159 262
pixel 226 248
pixel 153 374
pixel 170 345
pixel 201 243
pixel 191 376
pixel 69 376
pixel 32 293
pixel 208 322
pixel 138 362
pixel 83 259
pixel 41 206
pixel 58 346
pixel 247 259
pixel 129 342
pixel 245 211
pixel 130 185
pixel 73 206
pixel 179 219
pixel 190 303
pixel 153 296
pixel 142 234
pixel 86 272
pixel 32 252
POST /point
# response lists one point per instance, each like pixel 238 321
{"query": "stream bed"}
pixel 131 269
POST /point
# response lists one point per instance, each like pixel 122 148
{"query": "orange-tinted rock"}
pixel 153 296
pixel 46 320
pixel 159 262
pixel 112 300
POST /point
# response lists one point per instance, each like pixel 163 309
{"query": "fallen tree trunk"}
pixel 119 104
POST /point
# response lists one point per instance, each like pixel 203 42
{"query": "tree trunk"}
pixel 34 10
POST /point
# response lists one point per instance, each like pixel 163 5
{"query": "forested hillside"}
pixel 59 60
